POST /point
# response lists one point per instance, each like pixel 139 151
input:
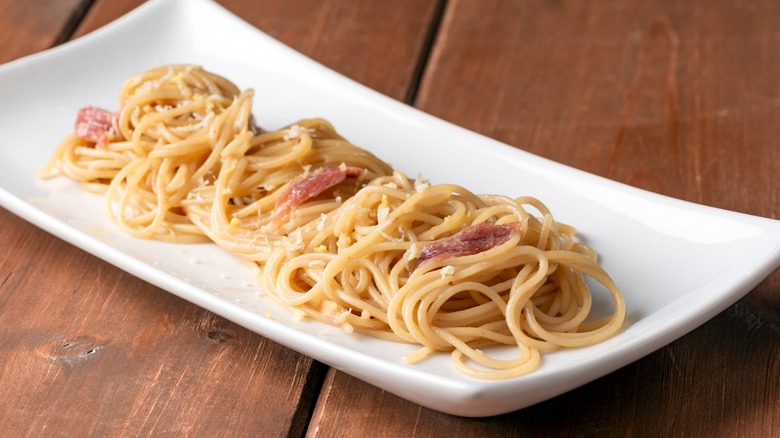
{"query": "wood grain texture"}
pixel 92 350
pixel 674 97
pixel 720 380
pixel 375 43
pixel 668 96
pixel 31 26
pixel 102 13
pixel 378 45
pixel 88 349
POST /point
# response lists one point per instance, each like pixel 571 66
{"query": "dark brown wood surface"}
pixel 679 98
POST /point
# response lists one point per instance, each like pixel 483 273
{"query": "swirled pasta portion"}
pixel 164 140
pixel 364 267
pixel 243 209
pixel 338 235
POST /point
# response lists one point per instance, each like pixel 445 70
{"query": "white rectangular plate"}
pixel 677 263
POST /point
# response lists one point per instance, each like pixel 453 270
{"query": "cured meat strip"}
pixel 472 240
pixel 93 124
pixel 312 185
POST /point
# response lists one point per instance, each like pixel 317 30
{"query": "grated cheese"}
pixel 299 314
pixel 295 131
pixel 381 213
pixel 384 209
pixel 344 241
pixel 412 253
pixel 297 244
pixel 420 184
pixel 178 79
pixel 321 223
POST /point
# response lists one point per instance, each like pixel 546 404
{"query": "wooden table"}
pixel 680 98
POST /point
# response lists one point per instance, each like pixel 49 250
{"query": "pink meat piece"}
pixel 472 240
pixel 93 124
pixel 312 185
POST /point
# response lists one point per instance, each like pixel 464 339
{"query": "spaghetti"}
pixel 363 267
pixel 337 234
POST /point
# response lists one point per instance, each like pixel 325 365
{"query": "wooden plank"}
pixel 598 86
pixel 375 43
pixel 35 25
pixel 89 350
pixel 102 13
pixel 94 351
pixel 694 387
pixel 674 97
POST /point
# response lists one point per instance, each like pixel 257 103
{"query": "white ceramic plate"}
pixel 678 264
